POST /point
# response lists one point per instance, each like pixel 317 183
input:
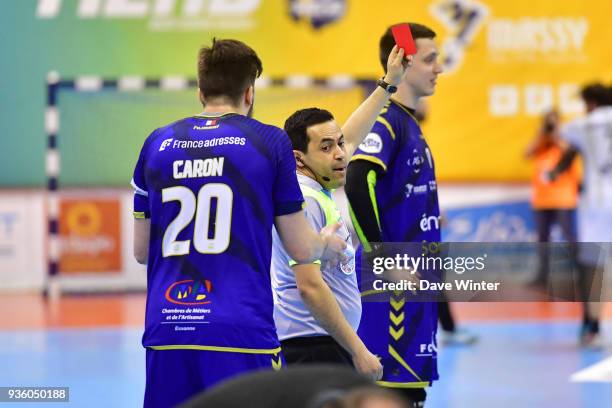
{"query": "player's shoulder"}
pixel 390 124
pixel 389 112
pixel 259 127
pixel 313 210
pixel 602 114
pixel 573 126
pixel 163 135
pixel 168 130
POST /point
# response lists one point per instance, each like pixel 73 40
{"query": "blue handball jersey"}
pixel 403 333
pixel 211 187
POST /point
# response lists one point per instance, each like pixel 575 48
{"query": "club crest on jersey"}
pixel 371 144
pixel 416 161
pixel 348 267
pixel 318 12
pixel 189 292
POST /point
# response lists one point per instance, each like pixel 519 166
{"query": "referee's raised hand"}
pixel 397 65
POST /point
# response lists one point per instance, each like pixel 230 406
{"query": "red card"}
pixel 403 38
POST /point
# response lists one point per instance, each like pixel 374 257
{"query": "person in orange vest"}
pixel 553 201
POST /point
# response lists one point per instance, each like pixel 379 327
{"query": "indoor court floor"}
pixel 527 355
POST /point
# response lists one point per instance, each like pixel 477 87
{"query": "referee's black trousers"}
pixel 315 349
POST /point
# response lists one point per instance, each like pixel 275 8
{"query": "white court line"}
pixel 600 372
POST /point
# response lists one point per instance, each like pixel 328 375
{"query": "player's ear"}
pixel 201 96
pixel 298 158
pixel 249 95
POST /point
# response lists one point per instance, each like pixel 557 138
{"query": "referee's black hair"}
pixel 297 124
pixel 387 42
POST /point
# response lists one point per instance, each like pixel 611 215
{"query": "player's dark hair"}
pixel 297 124
pixel 387 42
pixel 226 69
pixel 596 94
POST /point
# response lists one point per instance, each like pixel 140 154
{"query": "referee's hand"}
pixel 334 244
pixel 397 66
pixel 368 364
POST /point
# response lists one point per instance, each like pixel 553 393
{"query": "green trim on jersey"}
pixel 372 190
pixel 359 230
pixel 371 159
pixel 327 204
pixel 371 178
pixel 205 115
pixel 216 348
pixel 329 209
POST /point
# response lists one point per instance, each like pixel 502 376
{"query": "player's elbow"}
pixel 141 259
pixel 308 290
pixel 142 229
pixel 141 254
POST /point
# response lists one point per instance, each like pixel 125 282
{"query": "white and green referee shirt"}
pixel 292 317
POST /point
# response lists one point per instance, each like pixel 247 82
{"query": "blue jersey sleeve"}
pixel 377 147
pixel 287 194
pixel 139 183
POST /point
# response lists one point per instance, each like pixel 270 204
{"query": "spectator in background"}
pixel 553 201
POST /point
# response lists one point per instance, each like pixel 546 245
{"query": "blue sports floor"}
pixel 513 365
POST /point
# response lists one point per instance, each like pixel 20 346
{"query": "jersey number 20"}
pixel 201 208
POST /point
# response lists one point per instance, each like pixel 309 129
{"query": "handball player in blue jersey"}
pixel 392 191
pixel 208 189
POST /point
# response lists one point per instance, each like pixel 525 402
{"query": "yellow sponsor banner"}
pixel 506 63
pixel 520 59
pixel 275 105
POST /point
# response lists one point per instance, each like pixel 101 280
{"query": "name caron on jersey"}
pixel 197 168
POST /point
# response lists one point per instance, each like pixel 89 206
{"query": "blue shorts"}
pixel 173 376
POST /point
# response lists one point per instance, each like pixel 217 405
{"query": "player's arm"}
pixel 564 163
pixel 142 222
pixel 361 180
pixel 321 302
pixel 362 119
pixel 303 244
pixel 142 230
pixel 569 142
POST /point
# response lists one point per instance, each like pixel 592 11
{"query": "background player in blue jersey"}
pixel 392 191
pixel 208 189
pixel 317 306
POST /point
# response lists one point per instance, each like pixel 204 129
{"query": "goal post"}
pixel 88 171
